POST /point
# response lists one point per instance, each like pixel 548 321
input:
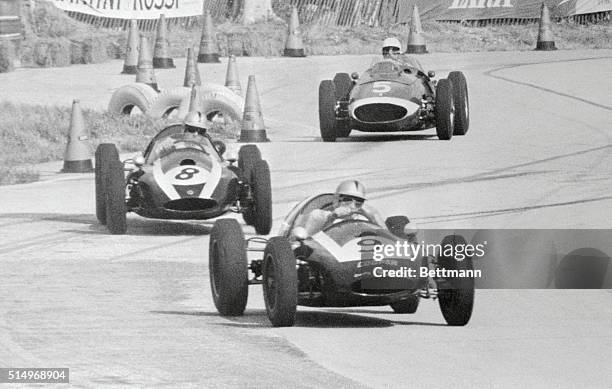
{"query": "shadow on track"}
pixel 257 318
pixel 136 226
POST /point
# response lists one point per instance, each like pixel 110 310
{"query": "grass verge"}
pixel 32 134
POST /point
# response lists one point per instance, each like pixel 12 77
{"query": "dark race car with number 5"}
pixel 182 175
pixel 393 95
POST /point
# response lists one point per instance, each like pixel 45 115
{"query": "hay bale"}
pixel 52 52
pixel 95 50
pixel 7 57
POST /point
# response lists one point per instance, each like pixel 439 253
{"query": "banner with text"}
pixel 504 9
pixel 132 9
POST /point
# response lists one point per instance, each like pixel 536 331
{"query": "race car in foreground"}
pixel 182 175
pixel 393 95
pixel 332 268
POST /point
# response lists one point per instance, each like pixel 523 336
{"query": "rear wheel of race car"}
pixel 456 295
pixel 327 110
pixel 445 110
pixel 228 268
pixel 461 102
pixel 105 154
pixel 343 83
pixel 247 157
pixel 115 198
pixel 262 198
pixel 280 285
pixel 409 305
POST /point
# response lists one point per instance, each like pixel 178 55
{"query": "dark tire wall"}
pixel 115 199
pixel 444 109
pixel 281 301
pixel 327 114
pixel 461 101
pixel 456 299
pixel 228 262
pixel 105 153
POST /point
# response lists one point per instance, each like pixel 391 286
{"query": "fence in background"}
pixel 347 13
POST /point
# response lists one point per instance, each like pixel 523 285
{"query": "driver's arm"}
pixel 316 220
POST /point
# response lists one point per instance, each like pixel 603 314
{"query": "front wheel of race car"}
pixel 228 268
pixel 115 198
pixel 327 110
pixel 343 83
pixel 280 285
pixel 262 198
pixel 408 305
pixel 461 102
pixel 105 154
pixel 445 110
pixel 456 294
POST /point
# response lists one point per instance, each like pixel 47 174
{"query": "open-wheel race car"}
pixel 182 175
pixel 393 95
pixel 332 268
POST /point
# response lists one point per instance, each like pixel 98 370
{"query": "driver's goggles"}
pixel 350 199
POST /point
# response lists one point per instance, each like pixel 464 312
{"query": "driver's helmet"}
pixel 193 123
pixel 391 46
pixel 351 190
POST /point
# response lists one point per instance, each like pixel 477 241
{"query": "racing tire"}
pixel 116 220
pixel 409 305
pixel 445 110
pixel 462 103
pixel 168 102
pixel 456 297
pixel 280 283
pixel 262 198
pixel 248 156
pixel 214 99
pixel 228 268
pixel 105 154
pixel 343 83
pixel 327 111
pixel 127 97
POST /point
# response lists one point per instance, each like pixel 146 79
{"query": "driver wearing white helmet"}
pixel 193 123
pixel 349 204
pixel 392 48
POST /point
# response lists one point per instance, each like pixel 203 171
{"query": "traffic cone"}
pixel 131 51
pixel 416 42
pixel 77 158
pixel 161 57
pixel 192 99
pixel 294 46
pixel 145 74
pixel 232 80
pixel 545 35
pixel 208 44
pixel 192 74
pixel 253 128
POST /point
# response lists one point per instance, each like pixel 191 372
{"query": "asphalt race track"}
pixel 136 309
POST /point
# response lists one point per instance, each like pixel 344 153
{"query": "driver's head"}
pixel 351 193
pixel 391 47
pixel 193 123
